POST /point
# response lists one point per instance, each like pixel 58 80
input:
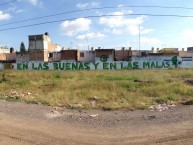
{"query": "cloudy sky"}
pixel 99 23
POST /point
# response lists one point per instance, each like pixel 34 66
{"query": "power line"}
pixel 1 4
pixel 49 22
pixel 164 7
pixel 100 8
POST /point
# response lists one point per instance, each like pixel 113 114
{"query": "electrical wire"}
pixel 55 21
pixel 88 9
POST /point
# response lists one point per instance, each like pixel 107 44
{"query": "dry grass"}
pixel 132 89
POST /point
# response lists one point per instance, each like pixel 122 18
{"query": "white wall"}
pixel 89 56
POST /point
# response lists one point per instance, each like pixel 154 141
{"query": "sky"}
pixel 82 24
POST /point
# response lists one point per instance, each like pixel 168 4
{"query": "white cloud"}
pixel 119 24
pixel 147 40
pixel 88 5
pixel 118 20
pixel 94 4
pixel 71 28
pixel 90 36
pixel 117 31
pixel 187 34
pixel 34 2
pixel 82 6
pixel 186 37
pixel 113 22
pixel 133 30
pixel 4 16
pixel 145 31
pixel 15 10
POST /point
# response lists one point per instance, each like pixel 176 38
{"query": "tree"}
pixel 22 47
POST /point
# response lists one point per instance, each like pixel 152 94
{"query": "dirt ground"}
pixel 28 124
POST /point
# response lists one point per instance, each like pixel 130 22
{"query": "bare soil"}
pixel 29 124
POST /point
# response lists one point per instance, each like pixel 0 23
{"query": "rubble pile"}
pixel 161 107
pixel 17 95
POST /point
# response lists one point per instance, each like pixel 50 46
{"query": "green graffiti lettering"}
pixel 106 66
pixel 129 66
pixel 167 64
pixel 135 65
pixel 33 66
pixel 87 65
pixel 40 66
pixel 113 66
pixel 81 66
pixel 74 66
pixel 96 65
pixel 61 66
pixel 19 66
pixel 25 66
pixel 146 64
pixel 45 66
pixel 122 65
pixel 68 66
pixel 153 65
pixel 163 64
pixel 55 66
pixel 157 65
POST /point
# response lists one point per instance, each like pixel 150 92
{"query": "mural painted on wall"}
pixel 100 65
pixel 92 65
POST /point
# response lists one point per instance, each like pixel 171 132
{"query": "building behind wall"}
pixel 54 56
pixel 2 57
pixel 38 55
pixel 169 51
pixel 123 55
pixel 4 49
pixel 40 46
pixel 102 54
pixel 22 56
pixel 7 55
pixel 87 56
pixel 70 55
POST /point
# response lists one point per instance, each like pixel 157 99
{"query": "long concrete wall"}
pixel 172 62
pixel 120 65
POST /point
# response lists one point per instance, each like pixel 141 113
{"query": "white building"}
pixel 87 56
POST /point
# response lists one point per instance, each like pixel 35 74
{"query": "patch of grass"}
pixel 114 89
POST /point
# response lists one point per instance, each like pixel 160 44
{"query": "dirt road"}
pixel 27 124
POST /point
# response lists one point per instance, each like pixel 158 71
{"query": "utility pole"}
pixel 87 42
pixel 139 39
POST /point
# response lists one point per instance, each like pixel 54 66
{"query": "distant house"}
pixel 54 56
pixel 7 54
pixel 123 55
pixel 22 56
pixel 169 51
pixel 40 46
pixel 104 54
pixel 70 55
pixel 4 49
pixel 87 56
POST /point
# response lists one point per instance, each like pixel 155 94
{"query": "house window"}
pixel 82 54
pixel 50 55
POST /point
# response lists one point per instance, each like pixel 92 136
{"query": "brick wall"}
pixel 22 57
pixel 38 55
pixel 123 55
pixel 2 56
pixel 70 55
